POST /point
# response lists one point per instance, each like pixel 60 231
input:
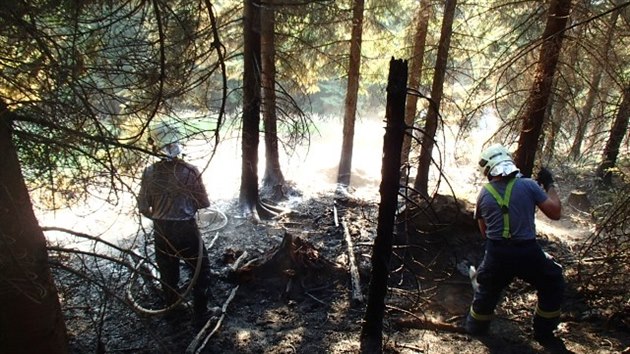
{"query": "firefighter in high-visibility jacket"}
pixel 505 213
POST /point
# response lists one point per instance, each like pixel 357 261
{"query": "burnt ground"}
pixel 280 310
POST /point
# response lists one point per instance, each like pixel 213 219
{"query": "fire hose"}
pixel 136 271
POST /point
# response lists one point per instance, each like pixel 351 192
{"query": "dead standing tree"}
pixel 372 331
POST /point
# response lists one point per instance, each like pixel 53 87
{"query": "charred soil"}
pixel 285 286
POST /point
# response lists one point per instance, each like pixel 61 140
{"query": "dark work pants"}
pixel 503 261
pixel 177 240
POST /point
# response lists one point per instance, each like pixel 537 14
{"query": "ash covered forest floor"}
pixel 276 311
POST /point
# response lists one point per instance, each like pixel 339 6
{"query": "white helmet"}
pixel 496 160
pixel 166 137
pixel 164 133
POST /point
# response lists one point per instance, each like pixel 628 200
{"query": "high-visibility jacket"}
pixel 504 204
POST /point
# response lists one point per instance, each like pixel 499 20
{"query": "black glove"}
pixel 544 178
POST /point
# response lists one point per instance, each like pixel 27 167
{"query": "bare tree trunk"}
pixel 248 197
pixel 273 179
pixel 421 183
pixel 585 115
pixel 31 320
pixel 350 106
pixel 372 330
pixel 598 131
pixel 534 114
pixel 553 129
pixel 415 74
pixel 617 133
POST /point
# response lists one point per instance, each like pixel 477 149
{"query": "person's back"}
pixel 172 190
pixel 505 214
pixel 525 196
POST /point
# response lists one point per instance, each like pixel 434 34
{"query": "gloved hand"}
pixel 544 178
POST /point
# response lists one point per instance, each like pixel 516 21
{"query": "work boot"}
pixel 551 343
pixel 476 327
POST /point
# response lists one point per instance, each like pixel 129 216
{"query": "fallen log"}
pixel 355 278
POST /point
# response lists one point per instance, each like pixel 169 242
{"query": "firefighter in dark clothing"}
pixel 171 192
pixel 505 213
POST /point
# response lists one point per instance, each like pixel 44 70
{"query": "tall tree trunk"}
pixel 350 106
pixel 584 117
pixel 372 330
pixel 248 197
pixel 598 130
pixel 534 115
pixel 421 183
pixel 31 320
pixel 553 128
pixel 617 133
pixel 415 74
pixel 273 179
pixel 585 114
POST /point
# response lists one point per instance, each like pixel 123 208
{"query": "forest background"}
pixel 84 82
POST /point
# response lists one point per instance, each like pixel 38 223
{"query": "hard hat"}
pixel 164 133
pixel 496 160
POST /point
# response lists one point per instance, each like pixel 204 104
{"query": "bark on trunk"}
pixel 534 115
pixel 415 75
pixel 273 179
pixel 350 106
pixel 31 320
pixel 372 330
pixel 421 183
pixel 248 196
pixel 598 130
pixel 552 128
pixel 617 133
pixel 584 117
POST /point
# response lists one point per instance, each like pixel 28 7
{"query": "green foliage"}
pixel 89 77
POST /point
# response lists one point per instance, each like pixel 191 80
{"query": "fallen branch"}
pixel 408 346
pixel 354 271
pixel 194 346
pixel 93 238
pixel 315 298
pixel 426 323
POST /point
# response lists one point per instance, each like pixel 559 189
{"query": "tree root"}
pixel 262 211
